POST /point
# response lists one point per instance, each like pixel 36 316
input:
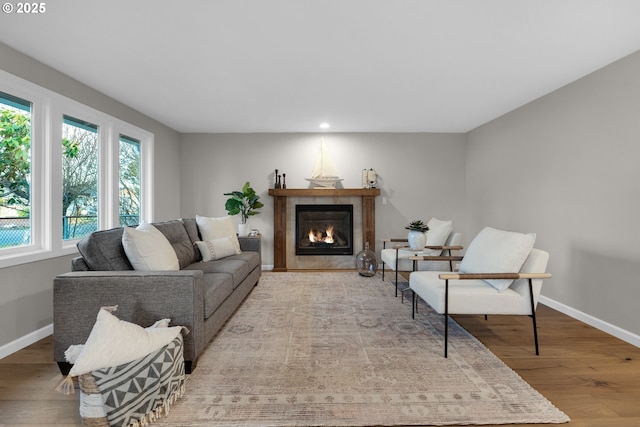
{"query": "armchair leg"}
pixel 535 334
pixel 384 246
pixel 446 317
pixel 396 279
pixel 413 304
pixel 533 317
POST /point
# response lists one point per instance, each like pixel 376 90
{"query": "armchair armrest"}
pixel 392 240
pixel 449 258
pixel 446 248
pixel 491 276
pixel 436 258
pixel 442 248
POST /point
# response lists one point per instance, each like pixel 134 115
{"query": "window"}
pixel 15 171
pixel 79 178
pixel 66 170
pixel 129 188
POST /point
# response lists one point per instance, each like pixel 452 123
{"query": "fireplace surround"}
pixel 284 202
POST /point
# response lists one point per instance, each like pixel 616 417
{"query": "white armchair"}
pixel 442 243
pixel 501 273
pixel 400 258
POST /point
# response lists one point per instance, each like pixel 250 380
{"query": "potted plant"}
pixel 417 234
pixel 245 203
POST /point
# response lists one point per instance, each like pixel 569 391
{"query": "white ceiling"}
pixel 361 65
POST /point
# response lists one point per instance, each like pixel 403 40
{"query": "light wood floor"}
pixel 591 376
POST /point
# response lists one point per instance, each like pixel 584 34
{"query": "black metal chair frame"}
pixel 490 276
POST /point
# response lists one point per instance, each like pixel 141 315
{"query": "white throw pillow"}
pixel 216 249
pixel 71 354
pixel 113 342
pixel 497 251
pixel 148 249
pixel 437 235
pixel 217 228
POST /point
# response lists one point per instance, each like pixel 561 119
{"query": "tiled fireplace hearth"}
pixel 285 233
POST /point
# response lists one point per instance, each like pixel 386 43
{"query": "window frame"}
pixel 146 171
pixel 144 207
pixel 47 111
pixel 73 110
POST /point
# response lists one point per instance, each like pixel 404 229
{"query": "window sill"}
pixel 34 256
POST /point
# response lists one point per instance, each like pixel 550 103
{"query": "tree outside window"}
pixel 129 186
pixel 79 178
pixel 15 171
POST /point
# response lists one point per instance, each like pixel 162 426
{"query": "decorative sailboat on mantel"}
pixel 324 173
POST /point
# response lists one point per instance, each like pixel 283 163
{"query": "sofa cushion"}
pixel 191 226
pixel 237 269
pixel 251 258
pixel 467 296
pixel 103 251
pixel 217 287
pixel 177 235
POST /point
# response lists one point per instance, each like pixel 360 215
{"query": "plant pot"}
pixel 417 239
pixel 243 230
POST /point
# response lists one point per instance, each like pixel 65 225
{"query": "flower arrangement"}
pixel 417 225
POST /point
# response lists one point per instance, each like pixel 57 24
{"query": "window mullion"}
pixel 54 188
pixel 109 176
pixel 146 177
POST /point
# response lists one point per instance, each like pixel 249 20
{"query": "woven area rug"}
pixel 338 349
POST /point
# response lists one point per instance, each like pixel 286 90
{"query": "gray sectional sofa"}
pixel 200 296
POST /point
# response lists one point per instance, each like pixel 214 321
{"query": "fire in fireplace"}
pixel 324 229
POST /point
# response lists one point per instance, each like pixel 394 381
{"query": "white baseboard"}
pixel 26 341
pixel 616 331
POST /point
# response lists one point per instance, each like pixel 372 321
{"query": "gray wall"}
pixel 567 167
pixel 26 290
pixel 421 175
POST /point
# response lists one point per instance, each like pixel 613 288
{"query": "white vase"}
pixel 417 239
pixel 243 230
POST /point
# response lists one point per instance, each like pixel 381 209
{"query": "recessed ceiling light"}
pixel 324 125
